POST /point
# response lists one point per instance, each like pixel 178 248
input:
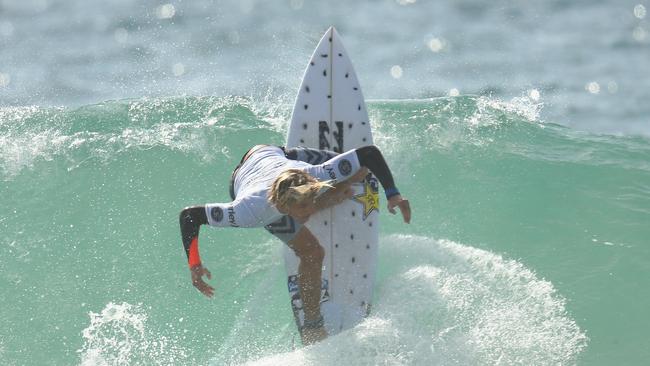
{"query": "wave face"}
pixel 528 245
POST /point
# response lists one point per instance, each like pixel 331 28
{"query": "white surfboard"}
pixel 330 114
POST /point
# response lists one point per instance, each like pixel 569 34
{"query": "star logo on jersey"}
pixel 369 198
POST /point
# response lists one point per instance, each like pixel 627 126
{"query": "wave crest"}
pixel 444 303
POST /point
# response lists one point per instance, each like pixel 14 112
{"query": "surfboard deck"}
pixel 330 114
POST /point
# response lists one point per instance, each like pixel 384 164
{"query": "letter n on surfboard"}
pixel 323 140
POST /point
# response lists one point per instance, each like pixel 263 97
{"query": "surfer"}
pixel 279 189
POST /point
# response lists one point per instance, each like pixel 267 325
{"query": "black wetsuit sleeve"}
pixel 371 158
pixel 191 219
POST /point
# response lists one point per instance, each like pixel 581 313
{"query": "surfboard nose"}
pixel 333 31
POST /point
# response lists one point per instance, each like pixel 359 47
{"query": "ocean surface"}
pixel 519 130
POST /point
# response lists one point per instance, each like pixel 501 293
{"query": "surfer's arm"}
pixel 344 167
pixel 191 219
pixel 233 214
pixel 371 157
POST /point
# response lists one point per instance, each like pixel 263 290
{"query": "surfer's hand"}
pixel 198 272
pixel 403 206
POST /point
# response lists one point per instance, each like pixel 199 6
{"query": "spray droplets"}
pixel 593 87
pixel 396 72
pixel 534 95
pixel 436 45
pixel 166 11
pixel 639 11
pixel 119 335
pixel 640 34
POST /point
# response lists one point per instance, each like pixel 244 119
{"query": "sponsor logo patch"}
pixel 324 291
pixel 330 171
pixel 369 198
pixel 216 213
pixel 345 167
pixel 231 217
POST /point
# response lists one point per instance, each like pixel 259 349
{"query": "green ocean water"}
pixel 529 242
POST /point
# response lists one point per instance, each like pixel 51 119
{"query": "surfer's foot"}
pixel 313 335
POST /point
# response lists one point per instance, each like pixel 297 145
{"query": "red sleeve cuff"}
pixel 194 257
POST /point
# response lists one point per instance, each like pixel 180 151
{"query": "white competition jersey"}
pixel 253 181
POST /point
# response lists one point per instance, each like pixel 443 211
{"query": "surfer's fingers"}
pixel 405 207
pixel 207 273
pixel 208 290
pixel 391 209
pixel 204 288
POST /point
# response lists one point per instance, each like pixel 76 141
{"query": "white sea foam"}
pixel 119 335
pixel 30 135
pixel 444 303
pixel 527 106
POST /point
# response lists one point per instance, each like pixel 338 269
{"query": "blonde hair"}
pixel 294 186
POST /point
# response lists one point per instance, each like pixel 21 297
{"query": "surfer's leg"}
pixel 311 255
pixel 307 248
